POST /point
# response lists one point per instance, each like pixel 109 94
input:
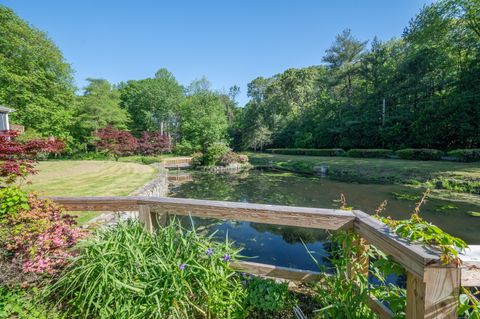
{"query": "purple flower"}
pixel 182 266
pixel 226 257
pixel 209 251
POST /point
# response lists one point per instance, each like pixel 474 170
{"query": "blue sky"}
pixel 229 42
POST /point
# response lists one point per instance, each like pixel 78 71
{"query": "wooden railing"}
pixel 432 288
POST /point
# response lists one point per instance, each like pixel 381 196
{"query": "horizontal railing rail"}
pixel 432 288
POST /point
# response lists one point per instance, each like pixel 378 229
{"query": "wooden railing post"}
pixel 435 295
pixel 145 217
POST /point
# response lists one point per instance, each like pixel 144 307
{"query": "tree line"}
pixel 421 90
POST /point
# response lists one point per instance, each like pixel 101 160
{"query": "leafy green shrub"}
pixel 266 297
pixel 214 152
pixel 422 154
pixel 369 153
pixel 184 148
pixel 12 201
pixel 17 303
pixel 126 272
pixel 308 151
pixel 466 155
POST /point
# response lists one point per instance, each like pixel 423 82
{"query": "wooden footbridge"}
pixel 432 287
pixel 177 162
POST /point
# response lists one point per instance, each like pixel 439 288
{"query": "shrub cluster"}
pixel 214 152
pixel 218 154
pixel 35 233
pixel 308 151
pixel 466 155
pixel 422 154
pixel 369 153
pixel 122 143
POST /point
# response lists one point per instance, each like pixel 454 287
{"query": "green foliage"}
pixel 12 200
pixel 469 304
pixel 466 155
pixel 35 80
pixel 20 304
pixel 421 154
pixel 417 230
pixel 308 151
pixel 125 272
pixel 202 121
pixel 428 81
pixel 466 185
pixel 153 102
pixel 339 294
pixel 266 297
pixel 371 153
pixel 99 107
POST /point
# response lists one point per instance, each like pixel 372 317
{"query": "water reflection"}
pixel 283 245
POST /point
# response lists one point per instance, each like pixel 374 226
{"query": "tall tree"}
pixel 152 103
pixel 202 121
pixel 99 107
pixel 34 78
pixel 343 57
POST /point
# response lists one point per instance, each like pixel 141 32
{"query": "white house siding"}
pixel 4 122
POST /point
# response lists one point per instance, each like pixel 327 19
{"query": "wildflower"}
pixel 209 251
pixel 182 266
pixel 226 257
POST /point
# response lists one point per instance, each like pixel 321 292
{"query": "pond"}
pixel 283 246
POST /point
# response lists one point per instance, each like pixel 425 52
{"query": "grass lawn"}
pixel 373 170
pixel 89 178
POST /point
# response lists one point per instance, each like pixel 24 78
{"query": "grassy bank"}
pixel 459 177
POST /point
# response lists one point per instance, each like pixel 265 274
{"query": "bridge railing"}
pixel 432 287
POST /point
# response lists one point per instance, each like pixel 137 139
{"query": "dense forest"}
pixel 422 90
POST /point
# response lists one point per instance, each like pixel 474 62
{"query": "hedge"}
pixel 422 154
pixel 466 155
pixel 369 152
pixel 308 151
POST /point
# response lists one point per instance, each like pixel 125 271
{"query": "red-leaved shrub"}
pixel 115 142
pixel 18 159
pixel 151 143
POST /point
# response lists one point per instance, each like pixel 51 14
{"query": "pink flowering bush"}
pixel 35 233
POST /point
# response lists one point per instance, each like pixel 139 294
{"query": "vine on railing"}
pixel 386 278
